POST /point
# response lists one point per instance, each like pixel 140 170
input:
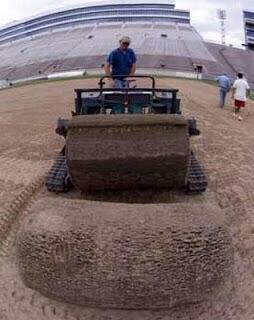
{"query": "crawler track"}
pixel 57 178
pixel 197 182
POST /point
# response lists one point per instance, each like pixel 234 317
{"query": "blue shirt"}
pixel 224 82
pixel 121 61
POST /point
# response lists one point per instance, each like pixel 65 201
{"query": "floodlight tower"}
pixel 222 16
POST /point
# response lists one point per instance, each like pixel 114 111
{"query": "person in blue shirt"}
pixel 224 85
pixel 121 62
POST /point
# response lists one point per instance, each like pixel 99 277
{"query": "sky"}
pixel 203 14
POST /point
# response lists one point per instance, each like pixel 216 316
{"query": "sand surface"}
pixel 28 146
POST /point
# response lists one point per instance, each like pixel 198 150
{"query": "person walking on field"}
pixel 224 85
pixel 241 91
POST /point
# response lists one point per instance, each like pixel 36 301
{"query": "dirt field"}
pixel 28 146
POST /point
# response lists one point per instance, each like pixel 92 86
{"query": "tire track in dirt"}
pixel 26 177
pixel 15 213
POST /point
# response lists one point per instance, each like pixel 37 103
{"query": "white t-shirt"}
pixel 241 86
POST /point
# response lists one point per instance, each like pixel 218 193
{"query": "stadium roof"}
pixel 92 4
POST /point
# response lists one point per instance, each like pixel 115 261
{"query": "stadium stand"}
pixel 248 20
pixel 79 38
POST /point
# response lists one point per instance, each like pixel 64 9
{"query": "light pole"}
pixel 222 16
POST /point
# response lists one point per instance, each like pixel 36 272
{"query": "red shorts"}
pixel 239 104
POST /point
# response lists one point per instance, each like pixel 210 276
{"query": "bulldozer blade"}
pixel 127 152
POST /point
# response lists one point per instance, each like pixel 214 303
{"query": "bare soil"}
pixel 28 145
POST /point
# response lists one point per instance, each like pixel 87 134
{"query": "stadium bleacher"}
pixel 159 44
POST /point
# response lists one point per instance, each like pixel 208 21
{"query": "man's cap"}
pixel 125 39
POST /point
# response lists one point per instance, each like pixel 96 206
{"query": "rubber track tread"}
pixel 56 179
pixel 197 182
